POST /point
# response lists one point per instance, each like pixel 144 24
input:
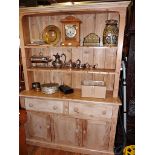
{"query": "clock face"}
pixel 70 30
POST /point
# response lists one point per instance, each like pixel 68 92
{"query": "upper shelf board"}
pixel 51 46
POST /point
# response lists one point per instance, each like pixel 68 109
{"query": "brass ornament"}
pixel 91 40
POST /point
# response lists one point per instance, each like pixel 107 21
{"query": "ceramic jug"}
pixel 110 34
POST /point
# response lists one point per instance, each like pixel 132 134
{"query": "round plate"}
pixel 51 34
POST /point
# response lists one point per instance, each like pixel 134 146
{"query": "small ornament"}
pixel 91 40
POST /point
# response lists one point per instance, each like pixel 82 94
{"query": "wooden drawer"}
pixel 44 105
pixel 90 109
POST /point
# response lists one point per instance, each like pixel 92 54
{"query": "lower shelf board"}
pixel 63 147
pixel 76 96
pixel 93 71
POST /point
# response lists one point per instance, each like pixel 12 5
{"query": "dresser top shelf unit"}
pixel 33 21
pixel 76 96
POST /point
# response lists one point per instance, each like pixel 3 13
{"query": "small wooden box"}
pixel 95 89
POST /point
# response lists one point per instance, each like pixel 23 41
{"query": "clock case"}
pixel 74 41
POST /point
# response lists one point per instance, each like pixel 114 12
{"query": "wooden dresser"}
pixel 71 122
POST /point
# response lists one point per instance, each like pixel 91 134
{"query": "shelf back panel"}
pixel 90 23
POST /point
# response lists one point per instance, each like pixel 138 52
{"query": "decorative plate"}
pixel 51 34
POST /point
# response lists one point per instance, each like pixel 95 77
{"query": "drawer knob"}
pixel 77 130
pixel 30 105
pixel 55 107
pixel 76 110
pixel 103 112
pixel 84 132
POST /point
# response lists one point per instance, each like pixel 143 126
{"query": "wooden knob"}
pixel 48 126
pixel 55 107
pixel 77 130
pixel 30 105
pixel 76 110
pixel 103 112
pixel 91 115
pixel 84 131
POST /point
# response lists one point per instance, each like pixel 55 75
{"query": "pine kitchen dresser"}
pixel 70 122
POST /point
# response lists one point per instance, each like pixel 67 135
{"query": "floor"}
pixel 34 150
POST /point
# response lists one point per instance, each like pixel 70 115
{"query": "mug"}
pixel 36 86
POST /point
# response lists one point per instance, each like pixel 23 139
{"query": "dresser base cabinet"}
pixel 82 127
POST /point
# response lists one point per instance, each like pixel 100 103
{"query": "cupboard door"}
pixel 38 126
pixel 68 130
pixel 96 134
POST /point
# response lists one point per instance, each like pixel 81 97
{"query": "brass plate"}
pixel 51 35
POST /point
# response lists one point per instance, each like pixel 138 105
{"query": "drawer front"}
pixel 44 105
pixel 90 110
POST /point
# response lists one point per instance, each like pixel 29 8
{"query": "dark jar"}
pixel 110 33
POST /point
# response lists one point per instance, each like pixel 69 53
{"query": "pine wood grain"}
pixel 22 136
pixel 112 6
pixel 35 150
pixel 119 52
pixel 76 96
pixel 83 150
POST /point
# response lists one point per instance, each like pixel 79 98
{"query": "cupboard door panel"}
pixel 96 134
pixel 38 126
pixel 67 130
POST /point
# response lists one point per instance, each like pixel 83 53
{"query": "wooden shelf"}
pixel 68 70
pixel 50 46
pixel 58 8
pixel 76 96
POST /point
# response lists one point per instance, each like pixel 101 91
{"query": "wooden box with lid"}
pixel 90 88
